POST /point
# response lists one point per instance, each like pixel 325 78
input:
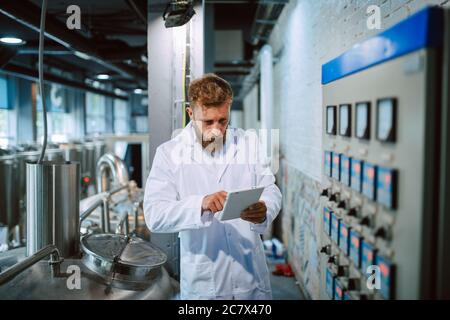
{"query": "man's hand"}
pixel 256 213
pixel 214 202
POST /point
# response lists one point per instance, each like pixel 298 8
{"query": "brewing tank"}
pixel 53 206
pixel 9 204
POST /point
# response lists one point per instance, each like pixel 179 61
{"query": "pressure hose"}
pixel 41 77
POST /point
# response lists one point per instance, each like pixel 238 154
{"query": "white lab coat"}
pixel 219 260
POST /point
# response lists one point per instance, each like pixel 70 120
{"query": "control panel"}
pixel 378 117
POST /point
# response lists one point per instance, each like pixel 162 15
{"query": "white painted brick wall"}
pixel 308 34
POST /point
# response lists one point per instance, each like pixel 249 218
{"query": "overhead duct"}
pixel 31 74
pixel 266 16
pixel 6 54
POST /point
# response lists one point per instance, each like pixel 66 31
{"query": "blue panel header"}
pixel 422 30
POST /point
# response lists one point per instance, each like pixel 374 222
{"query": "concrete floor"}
pixel 283 288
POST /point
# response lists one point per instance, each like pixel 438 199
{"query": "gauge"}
pixel 331 120
pixel 362 128
pixel 386 118
pixel 345 120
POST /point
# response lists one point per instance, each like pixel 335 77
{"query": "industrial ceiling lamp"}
pixel 178 13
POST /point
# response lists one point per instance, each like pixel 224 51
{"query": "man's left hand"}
pixel 256 213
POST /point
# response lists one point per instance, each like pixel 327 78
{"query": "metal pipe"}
pixel 136 216
pixel 55 261
pixel 124 219
pixel 104 202
pixel 118 190
pixel 91 209
pixel 105 220
pixel 110 168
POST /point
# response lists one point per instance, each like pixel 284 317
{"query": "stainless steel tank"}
pixel 113 267
pixel 73 152
pixel 30 153
pixel 26 154
pixel 100 149
pixel 36 283
pixel 89 158
pixel 9 204
pixel 53 206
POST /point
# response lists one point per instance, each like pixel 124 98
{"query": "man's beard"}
pixel 212 143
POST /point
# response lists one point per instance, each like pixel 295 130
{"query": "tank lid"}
pixel 137 252
pixel 125 262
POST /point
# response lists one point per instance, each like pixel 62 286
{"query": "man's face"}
pixel 210 123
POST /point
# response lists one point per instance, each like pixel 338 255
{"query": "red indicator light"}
pixel 86 179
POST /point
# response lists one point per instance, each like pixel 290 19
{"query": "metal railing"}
pixel 104 202
pixel 55 262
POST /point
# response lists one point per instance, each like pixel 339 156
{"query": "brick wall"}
pixel 308 34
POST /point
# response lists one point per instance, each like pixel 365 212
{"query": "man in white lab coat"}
pixel 187 186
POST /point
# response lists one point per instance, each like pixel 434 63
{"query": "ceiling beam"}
pixel 31 74
pixel 29 15
pixel 137 8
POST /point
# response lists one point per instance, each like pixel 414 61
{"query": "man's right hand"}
pixel 214 202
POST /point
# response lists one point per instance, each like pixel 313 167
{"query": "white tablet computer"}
pixel 237 201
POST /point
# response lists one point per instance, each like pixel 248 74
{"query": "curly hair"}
pixel 210 91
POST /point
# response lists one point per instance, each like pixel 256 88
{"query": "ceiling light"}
pixel 11 40
pixel 82 55
pixel 103 76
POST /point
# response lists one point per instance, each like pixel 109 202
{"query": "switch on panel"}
pixel 387 273
pixel 327 163
pixel 345 170
pixel 338 290
pixel 335 221
pixel 335 171
pixel 368 256
pixel 387 187
pixel 369 178
pixel 355 248
pixel 329 283
pixel 356 175
pixel 326 221
pixel 343 237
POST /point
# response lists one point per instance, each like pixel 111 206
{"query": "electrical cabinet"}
pixel 381 118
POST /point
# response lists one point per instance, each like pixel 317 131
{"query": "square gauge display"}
pixel 362 123
pixel 386 120
pixel 331 120
pixel 345 117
